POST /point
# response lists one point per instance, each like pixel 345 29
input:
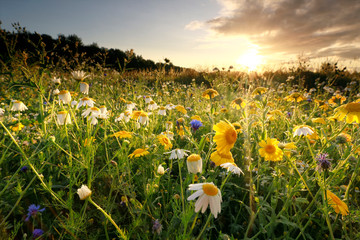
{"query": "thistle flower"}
pixel 18 106
pixel 323 162
pixel 33 210
pixel 83 192
pixel 207 194
pixel 84 88
pixel 157 227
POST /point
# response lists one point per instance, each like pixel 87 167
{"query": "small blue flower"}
pixel 33 210
pixel 195 124
pixel 24 168
pixel 37 233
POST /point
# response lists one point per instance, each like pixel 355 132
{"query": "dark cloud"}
pixel 315 27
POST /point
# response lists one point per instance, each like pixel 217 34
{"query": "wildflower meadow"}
pixel 95 153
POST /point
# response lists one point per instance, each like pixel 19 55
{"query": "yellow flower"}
pixel 163 140
pixel 318 120
pixel 350 111
pixel 224 110
pixel 181 109
pixel 338 99
pixel 295 97
pixel 88 141
pixel 196 117
pixel 237 127
pixel 270 150
pixel 135 115
pixel 220 158
pixel 122 134
pixel 17 127
pixel 238 103
pixel 225 136
pixel 139 152
pixel 259 91
pixel 210 93
pixel 336 203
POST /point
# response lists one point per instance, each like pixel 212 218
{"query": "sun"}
pixel 250 59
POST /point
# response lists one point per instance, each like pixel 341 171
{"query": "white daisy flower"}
pixel 85 102
pixel 124 116
pixel 73 103
pixel 2 111
pixel 130 106
pixel 162 111
pixel 168 134
pixel 232 167
pixel 302 130
pixel 63 118
pixel 194 163
pixel 103 113
pixel 207 194
pixel 56 80
pixel 79 75
pixel 56 91
pixel 170 106
pixel 64 96
pixel 84 192
pixel 18 106
pixel 148 99
pixel 161 170
pixel 143 119
pixel 177 153
pixel 93 110
pixel 152 106
pixel 84 88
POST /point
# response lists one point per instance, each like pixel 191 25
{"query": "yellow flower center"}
pixel 85 99
pixel 230 136
pixel 63 92
pixel 95 109
pixel 353 107
pixel 210 189
pixel 62 112
pixel 193 158
pixel 270 148
pixel 162 108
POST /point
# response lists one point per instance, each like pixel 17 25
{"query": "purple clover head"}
pixel 157 227
pixel 33 210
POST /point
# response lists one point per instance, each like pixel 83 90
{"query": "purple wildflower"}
pixel 157 227
pixel 37 233
pixel 24 169
pixel 323 161
pixel 195 124
pixel 33 210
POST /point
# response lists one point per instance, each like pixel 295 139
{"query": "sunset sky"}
pixel 201 33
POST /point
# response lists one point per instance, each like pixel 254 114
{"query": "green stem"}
pixel 121 232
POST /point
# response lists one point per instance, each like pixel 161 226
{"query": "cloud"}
pixel 194 25
pixel 314 27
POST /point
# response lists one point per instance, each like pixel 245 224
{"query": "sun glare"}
pixel 250 60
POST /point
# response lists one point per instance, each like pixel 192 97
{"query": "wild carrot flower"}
pixel 207 194
pixel 83 192
pixel 350 112
pixel 338 205
pixel 139 153
pixel 33 210
pixel 210 93
pixel 194 163
pixel 270 150
pixel 18 106
pixel 225 136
